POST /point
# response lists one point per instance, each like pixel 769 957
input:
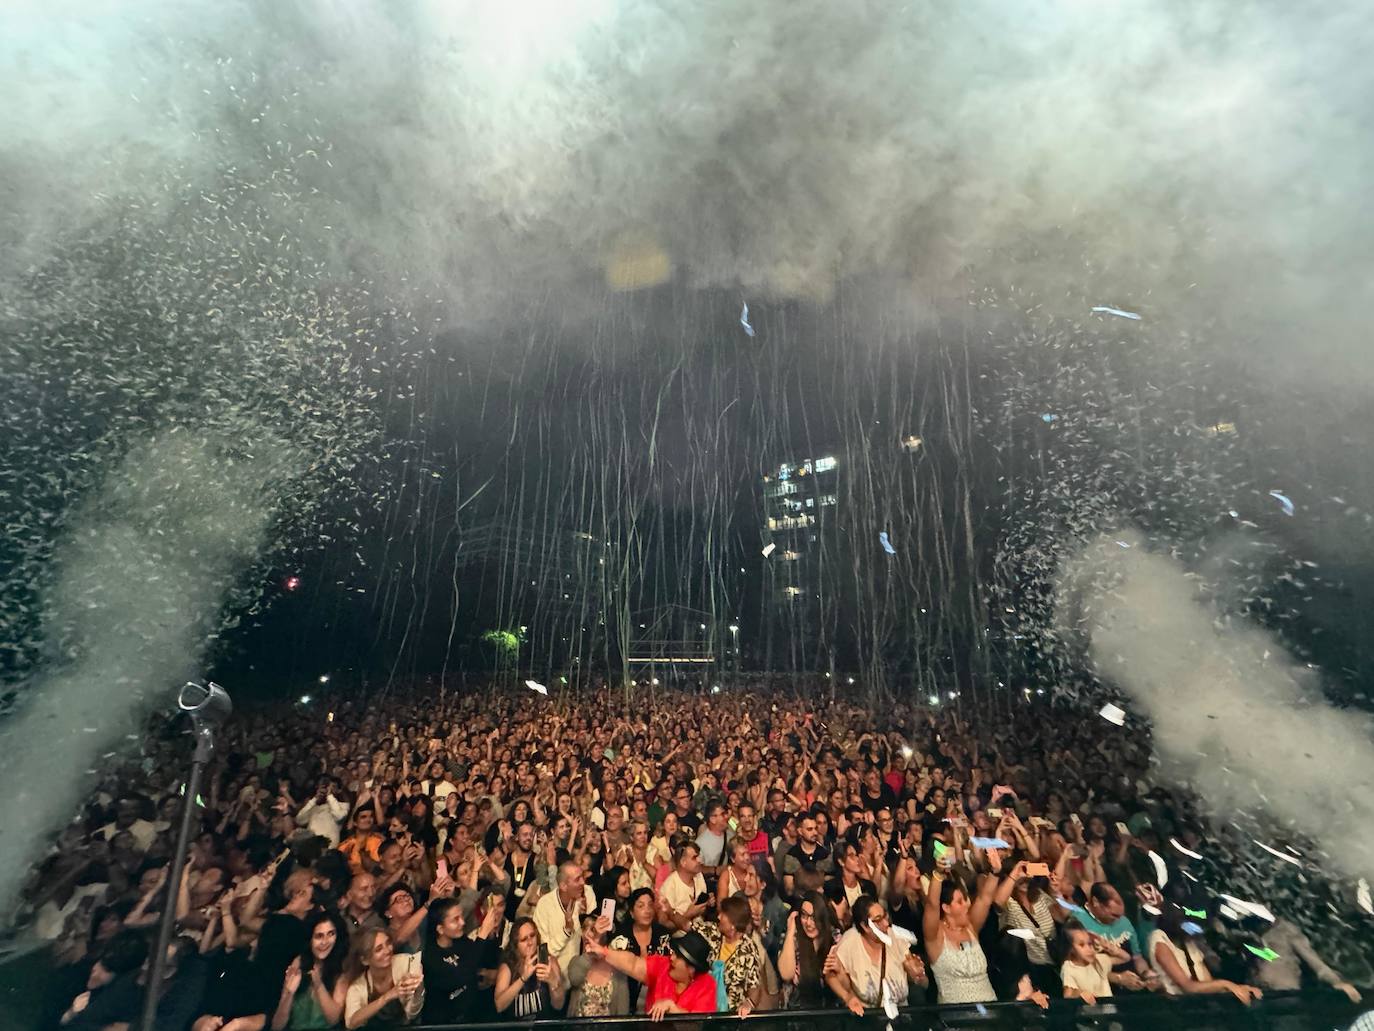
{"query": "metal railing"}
pixel 1318 1010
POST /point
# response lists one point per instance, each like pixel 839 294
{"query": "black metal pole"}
pixel 206 706
pixel 204 747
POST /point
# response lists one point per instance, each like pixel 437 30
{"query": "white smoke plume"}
pixel 1233 716
pixel 141 577
pixel 1200 161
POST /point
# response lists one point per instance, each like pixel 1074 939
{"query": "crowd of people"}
pixel 498 855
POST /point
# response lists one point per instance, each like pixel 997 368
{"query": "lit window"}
pixel 824 465
pixel 828 499
pixel 792 592
pixel 911 443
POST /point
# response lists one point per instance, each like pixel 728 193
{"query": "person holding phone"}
pixel 529 982
pixel 386 987
pixel 597 988
pixel 558 915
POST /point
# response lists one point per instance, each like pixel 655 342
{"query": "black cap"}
pixel 692 948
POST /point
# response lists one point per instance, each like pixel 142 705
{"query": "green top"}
pixel 305 1010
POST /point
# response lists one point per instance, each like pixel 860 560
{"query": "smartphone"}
pixel 1037 869
pixel 543 953
pixel 608 909
pixel 1075 819
pixel 1123 830
pixel 441 870
pixel 994 812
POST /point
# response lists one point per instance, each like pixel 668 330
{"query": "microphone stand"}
pixel 206 713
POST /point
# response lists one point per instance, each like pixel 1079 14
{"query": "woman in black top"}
pixel 452 962
pixel 641 934
pixel 810 936
pixel 528 984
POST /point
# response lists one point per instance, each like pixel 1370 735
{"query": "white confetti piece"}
pixel 1276 853
pixel 1119 313
pixel 537 688
pixel 744 319
pixel 1113 714
pixel 769 549
pixel 1161 868
pixel 1185 851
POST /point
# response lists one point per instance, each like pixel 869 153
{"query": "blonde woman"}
pixel 385 987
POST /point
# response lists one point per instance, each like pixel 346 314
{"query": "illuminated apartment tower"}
pixel 800 508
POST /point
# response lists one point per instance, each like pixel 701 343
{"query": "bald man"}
pixel 558 915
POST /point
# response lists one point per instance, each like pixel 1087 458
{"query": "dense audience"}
pixel 505 856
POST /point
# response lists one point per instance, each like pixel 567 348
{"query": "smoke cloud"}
pixel 1194 161
pixel 140 581
pixel 1232 716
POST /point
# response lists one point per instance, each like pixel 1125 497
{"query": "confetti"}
pixel 889 1003
pixel 1283 501
pixel 1199 914
pixel 1113 714
pixel 989 843
pixel 1049 417
pixel 537 688
pixel 1116 311
pixel 1245 909
pixel 769 549
pixel 887 544
pixel 1185 851
pixel 1362 896
pixel 1022 932
pixel 1267 954
pixel 1161 869
pixel 1188 927
pixel 1066 904
pixel 1276 853
pixel 744 319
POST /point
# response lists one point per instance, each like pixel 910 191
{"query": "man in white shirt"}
pixel 127 819
pixel 324 814
pixel 684 890
pixel 558 915
pixel 438 786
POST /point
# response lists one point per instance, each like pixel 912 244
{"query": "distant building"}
pixel 801 514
